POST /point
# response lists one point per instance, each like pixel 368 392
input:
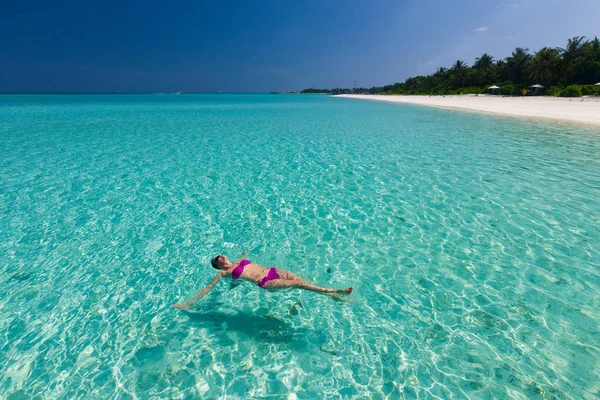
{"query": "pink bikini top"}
pixel 239 270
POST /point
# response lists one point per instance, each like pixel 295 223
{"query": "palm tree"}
pixel 502 71
pixel 595 46
pixel 439 77
pixel 517 63
pixel 459 66
pixel 459 70
pixel 441 71
pixel 485 64
pixel 573 49
pixel 544 65
pixel 594 57
pixel 571 53
pixel 585 68
pixel 577 63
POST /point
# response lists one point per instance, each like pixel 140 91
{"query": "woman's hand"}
pixel 183 306
pixel 187 304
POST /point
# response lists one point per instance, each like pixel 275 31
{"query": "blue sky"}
pixel 261 46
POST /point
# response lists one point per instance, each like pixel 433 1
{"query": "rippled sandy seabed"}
pixel 472 242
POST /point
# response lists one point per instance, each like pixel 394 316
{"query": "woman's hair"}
pixel 215 261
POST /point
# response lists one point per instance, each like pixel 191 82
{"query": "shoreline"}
pixel 581 110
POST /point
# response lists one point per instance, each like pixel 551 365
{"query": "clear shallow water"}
pixel 472 242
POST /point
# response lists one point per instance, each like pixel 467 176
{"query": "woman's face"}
pixel 221 260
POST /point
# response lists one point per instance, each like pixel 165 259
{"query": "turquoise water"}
pixel 472 242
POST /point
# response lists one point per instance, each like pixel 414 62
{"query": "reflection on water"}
pixel 472 243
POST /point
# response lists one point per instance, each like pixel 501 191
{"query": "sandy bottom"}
pixel 581 110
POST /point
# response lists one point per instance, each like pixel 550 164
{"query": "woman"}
pixel 265 278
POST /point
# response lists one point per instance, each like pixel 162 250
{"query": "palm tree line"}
pixel 573 70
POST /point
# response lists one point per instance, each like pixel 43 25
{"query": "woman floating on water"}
pixel 265 278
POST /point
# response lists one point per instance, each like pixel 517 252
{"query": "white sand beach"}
pixel 584 110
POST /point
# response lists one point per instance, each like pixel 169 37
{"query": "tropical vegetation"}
pixel 570 71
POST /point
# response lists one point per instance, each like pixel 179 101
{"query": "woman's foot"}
pixel 346 291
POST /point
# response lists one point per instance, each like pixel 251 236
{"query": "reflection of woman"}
pixel 266 278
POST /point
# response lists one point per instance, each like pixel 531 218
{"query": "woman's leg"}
pixel 319 289
pixel 335 293
pixel 287 275
pixel 300 283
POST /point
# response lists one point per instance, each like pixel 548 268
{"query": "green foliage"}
pixel 553 91
pixel 544 66
pixel 470 90
pixel 516 65
pixel 571 91
pixel 590 90
pixel 571 54
pixel 506 90
pixel 312 90
pixel 510 90
pixel 556 68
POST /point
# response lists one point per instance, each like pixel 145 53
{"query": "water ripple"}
pixel 472 241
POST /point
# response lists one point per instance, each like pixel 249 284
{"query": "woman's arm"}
pixel 241 257
pixel 207 289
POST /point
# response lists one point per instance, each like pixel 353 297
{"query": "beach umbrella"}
pixel 536 86
pixel 493 88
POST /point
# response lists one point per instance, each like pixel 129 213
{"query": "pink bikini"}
pixel 239 270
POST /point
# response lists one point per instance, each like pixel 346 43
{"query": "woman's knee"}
pixel 287 275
